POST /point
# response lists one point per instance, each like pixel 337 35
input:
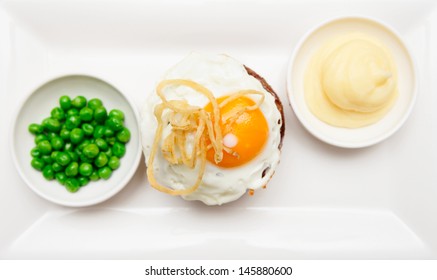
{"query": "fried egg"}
pixel 254 136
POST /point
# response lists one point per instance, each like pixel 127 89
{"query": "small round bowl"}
pixel 355 137
pixel 38 105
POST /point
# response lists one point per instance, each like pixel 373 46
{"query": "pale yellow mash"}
pixel 351 81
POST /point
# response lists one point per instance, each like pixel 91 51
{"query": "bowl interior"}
pixel 358 137
pixel 38 106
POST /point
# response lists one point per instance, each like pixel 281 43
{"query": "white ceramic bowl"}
pixel 38 105
pixel 357 137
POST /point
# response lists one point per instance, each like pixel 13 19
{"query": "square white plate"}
pixel 323 202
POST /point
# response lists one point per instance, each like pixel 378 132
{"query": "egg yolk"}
pixel 246 135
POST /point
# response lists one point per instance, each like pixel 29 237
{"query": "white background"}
pixel 323 202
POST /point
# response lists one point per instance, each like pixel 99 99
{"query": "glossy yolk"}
pixel 246 135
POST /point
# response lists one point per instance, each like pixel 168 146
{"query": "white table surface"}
pixel 323 202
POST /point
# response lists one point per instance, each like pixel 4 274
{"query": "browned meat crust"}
pixel 278 103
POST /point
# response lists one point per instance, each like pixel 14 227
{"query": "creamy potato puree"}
pixel 351 81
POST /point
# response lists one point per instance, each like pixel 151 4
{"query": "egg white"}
pixel 222 75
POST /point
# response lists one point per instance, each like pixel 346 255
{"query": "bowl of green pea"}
pixel 75 140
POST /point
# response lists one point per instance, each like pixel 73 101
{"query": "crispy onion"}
pixel 187 121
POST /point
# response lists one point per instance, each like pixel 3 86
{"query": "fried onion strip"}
pixel 187 121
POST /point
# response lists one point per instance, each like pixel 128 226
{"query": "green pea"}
pixel 78 151
pixel 109 132
pixel 76 135
pixel 72 169
pixel 86 114
pixel 72 112
pixel 85 169
pixel 79 102
pixel 48 172
pixel 114 113
pixel 74 156
pixel 105 173
pixel 65 102
pixel 84 143
pixel 108 153
pixel 68 147
pixel 35 128
pixel 54 154
pixel 85 159
pixel 51 124
pixel 100 114
pixel 114 124
pixel 94 123
pixel 65 134
pixel 35 152
pixel 79 142
pixel 72 185
pixel 39 138
pixel 114 163
pixel 44 147
pixel 95 103
pixel 99 131
pixel 51 135
pixel 118 149
pixel 111 140
pixel 38 164
pixel 83 181
pixel 103 146
pixel 44 122
pixel 123 135
pixel 58 114
pixel 63 158
pixel 57 167
pixel 87 129
pixel 94 176
pixel 101 160
pixel 47 159
pixel 91 151
pixel 72 122
pixel 61 177
pixel 57 143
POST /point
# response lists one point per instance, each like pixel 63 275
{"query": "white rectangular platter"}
pixel 323 202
